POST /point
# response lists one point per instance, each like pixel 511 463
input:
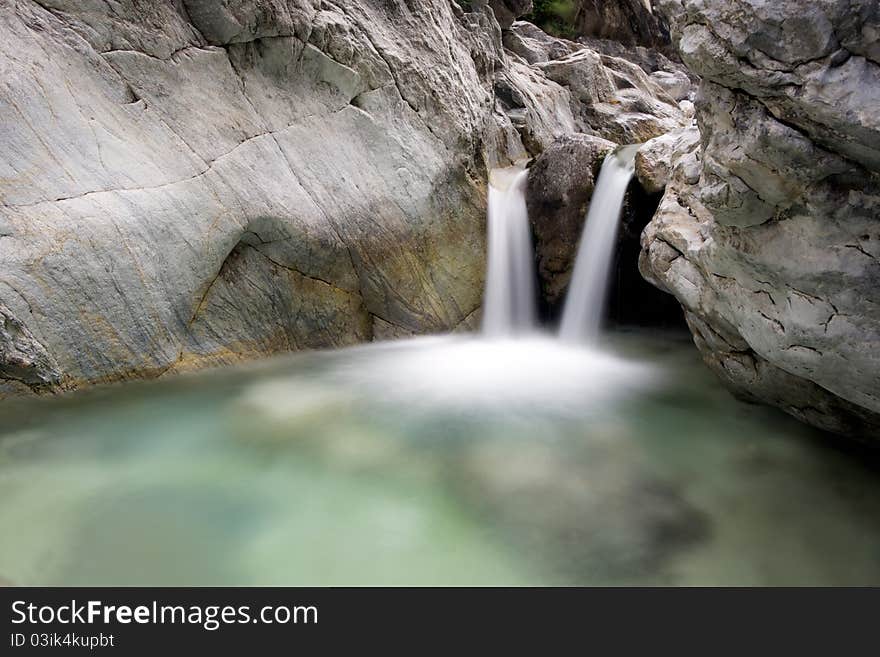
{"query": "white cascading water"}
pixel 509 303
pixel 512 369
pixel 585 300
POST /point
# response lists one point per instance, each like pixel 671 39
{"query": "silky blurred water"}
pixel 435 461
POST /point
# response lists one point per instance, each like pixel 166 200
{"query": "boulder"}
pixel 560 186
pixel 534 45
pixel 654 158
pixel 539 109
pixel 614 98
pixel 675 83
pixel 507 11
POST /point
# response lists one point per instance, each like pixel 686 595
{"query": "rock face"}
pixel 613 97
pixel 768 232
pixel 201 181
pixel 560 186
pixel 198 182
pixel 609 96
pixel 630 22
pixel 535 46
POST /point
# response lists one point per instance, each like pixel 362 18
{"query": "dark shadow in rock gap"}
pixel 632 301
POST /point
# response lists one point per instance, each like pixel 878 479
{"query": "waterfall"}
pixel 509 304
pixel 585 300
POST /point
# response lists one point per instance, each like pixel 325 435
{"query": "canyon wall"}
pixel 200 181
pixel 197 182
pixel 769 229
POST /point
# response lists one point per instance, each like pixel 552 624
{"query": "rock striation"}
pixel 202 181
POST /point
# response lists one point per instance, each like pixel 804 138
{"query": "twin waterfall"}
pixel 510 301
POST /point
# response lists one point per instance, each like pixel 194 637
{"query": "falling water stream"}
pixel 510 295
pixel 509 300
pixel 585 301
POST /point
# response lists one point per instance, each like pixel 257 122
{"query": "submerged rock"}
pixel 767 233
pixel 613 518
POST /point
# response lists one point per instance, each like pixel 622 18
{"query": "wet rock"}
pixel 560 186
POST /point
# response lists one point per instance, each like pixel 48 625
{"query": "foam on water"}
pixel 538 373
pixel 435 461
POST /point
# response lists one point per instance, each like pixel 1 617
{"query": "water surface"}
pixel 434 461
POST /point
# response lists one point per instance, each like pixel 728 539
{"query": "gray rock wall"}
pixel 768 233
pixel 196 182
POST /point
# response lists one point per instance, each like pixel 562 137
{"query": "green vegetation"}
pixel 555 17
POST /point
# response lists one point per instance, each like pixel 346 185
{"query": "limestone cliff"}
pixel 768 233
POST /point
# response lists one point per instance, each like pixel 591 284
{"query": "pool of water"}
pixel 433 461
